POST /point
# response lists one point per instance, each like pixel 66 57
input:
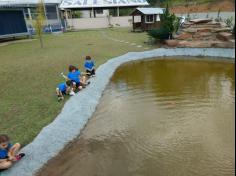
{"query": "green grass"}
pixel 29 75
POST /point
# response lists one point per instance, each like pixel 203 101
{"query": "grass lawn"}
pixel 29 75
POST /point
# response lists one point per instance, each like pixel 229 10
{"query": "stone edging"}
pixel 77 111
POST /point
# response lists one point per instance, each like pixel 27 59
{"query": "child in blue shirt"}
pixel 8 152
pixel 64 89
pixel 76 77
pixel 89 66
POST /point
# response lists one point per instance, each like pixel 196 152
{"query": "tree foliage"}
pixel 160 33
pixel 169 21
pixel 170 25
pixel 40 21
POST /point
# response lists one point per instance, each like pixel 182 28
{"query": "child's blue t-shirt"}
pixel 62 87
pixel 4 152
pixel 89 64
pixel 74 76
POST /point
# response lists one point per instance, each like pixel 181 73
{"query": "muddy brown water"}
pixel 158 118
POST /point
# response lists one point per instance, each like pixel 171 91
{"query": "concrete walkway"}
pixel 79 108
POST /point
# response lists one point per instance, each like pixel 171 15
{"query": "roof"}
pixel 9 3
pixel 149 11
pixel 69 4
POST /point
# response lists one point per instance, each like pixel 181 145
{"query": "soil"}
pixel 222 5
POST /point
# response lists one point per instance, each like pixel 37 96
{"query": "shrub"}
pixel 229 22
pixel 170 22
pixel 161 33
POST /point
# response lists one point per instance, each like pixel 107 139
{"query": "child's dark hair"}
pixel 72 67
pixel 69 83
pixel 88 58
pixel 4 138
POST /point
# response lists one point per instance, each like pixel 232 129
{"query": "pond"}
pixel 167 117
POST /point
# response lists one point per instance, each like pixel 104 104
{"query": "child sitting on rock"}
pixel 64 89
pixel 78 80
pixel 89 66
pixel 8 152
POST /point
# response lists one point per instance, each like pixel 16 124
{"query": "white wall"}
pixel 103 22
pixel 86 13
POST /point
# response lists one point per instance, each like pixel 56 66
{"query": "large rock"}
pixel 197 21
pixel 184 36
pixel 205 34
pixel 171 43
pixel 190 30
pixel 210 25
pixel 224 36
pixel 223 45
pixel 217 30
pixel 204 30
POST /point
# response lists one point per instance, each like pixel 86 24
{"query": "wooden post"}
pixel 133 23
pixel 67 21
pixel 118 11
pixel 29 12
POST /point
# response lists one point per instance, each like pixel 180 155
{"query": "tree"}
pixel 170 22
pixel 40 21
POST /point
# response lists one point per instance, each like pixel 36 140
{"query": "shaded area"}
pixel 164 117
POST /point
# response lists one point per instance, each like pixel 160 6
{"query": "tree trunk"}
pixel 41 40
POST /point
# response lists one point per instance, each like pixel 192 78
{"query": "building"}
pixel 150 18
pixel 97 7
pixel 12 23
pixel 52 12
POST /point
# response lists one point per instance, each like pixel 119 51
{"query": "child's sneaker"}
pixel 72 93
pixel 60 98
pixel 20 156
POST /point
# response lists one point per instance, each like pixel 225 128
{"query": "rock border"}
pixel 77 111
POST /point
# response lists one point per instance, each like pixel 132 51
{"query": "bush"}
pixel 170 22
pixel 229 22
pixel 161 33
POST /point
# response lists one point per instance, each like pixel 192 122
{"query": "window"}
pixel 99 11
pixel 149 19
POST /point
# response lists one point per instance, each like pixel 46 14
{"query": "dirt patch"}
pixel 224 6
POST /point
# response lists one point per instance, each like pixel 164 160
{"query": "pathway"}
pixel 104 34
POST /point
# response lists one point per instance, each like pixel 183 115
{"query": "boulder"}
pixel 196 36
pixel 197 21
pixel 223 45
pixel 224 36
pixel 184 36
pixel 205 34
pixel 171 43
pixel 204 29
pixel 190 30
pixel 217 30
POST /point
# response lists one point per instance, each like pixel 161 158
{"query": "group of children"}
pixel 76 80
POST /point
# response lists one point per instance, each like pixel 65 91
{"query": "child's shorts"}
pixel 77 84
pixel 63 92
